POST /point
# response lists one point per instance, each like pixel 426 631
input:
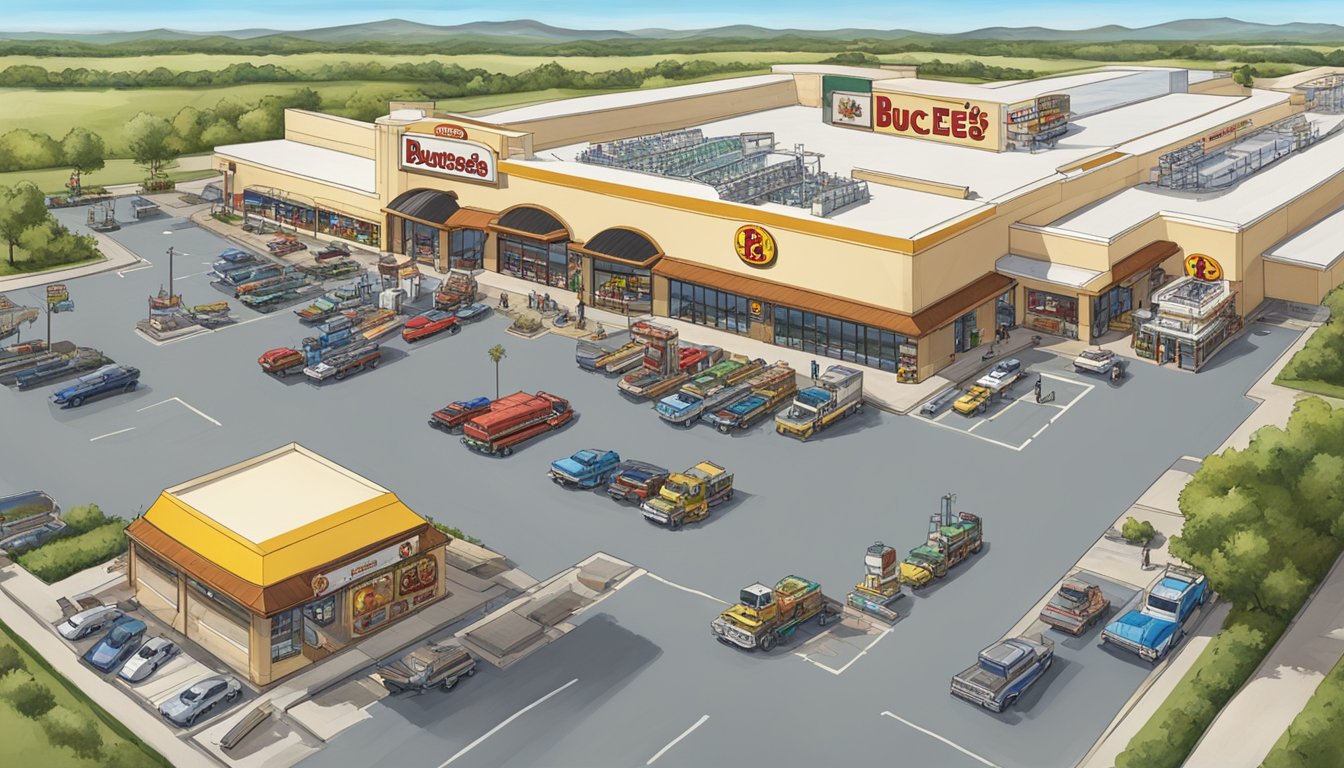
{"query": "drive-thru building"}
pixel 278 561
pixel 861 214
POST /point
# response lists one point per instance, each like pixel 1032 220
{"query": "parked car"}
pixel 235 256
pixel 117 645
pixel 156 652
pixel 1095 361
pixel 199 698
pixel 1004 671
pixel 472 313
pixel 106 380
pixel 430 323
pixel 88 621
pixel 636 481
pixel 587 468
pixel 433 665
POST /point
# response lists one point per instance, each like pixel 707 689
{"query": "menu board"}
pixel 371 595
pixel 417 576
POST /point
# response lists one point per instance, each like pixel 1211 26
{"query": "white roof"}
pixel 866 73
pixel 586 104
pixel 1235 108
pixel 1044 271
pixel 1246 202
pixel 307 162
pixel 1320 246
pixel 1004 93
pixel 1178 116
pixel 276 493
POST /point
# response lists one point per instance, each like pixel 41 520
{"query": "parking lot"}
pixel 649 677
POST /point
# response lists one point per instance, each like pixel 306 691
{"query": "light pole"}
pixel 170 273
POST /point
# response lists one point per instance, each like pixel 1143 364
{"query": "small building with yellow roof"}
pixel 278 561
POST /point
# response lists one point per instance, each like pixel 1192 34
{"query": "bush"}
pixel 10 660
pixel 1316 736
pixel 65 557
pixel 85 518
pixel 456 533
pixel 31 698
pixel 1137 532
pixel 79 732
pixel 157 185
pixel 526 325
pixel 1322 359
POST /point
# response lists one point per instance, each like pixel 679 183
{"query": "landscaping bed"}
pixel 1316 736
pixel 91 538
pixel 1319 366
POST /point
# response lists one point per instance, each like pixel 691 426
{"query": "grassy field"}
pixel 52 180
pixel 23 742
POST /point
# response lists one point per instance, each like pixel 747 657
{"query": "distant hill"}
pixel 526 30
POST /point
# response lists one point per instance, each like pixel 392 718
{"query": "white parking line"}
pixel 674 585
pixel 683 735
pixel 144 265
pixel 510 719
pixel 977 437
pixel 948 742
pixel 847 665
pixel 110 434
pixel 184 404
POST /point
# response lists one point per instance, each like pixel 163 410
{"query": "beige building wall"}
pixel 330 132
pixel 1294 283
pixel 808 87
pixel 307 191
pixel 1221 86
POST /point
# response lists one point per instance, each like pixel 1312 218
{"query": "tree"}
pixel 83 150
pixel 10 660
pixel 260 124
pixel 31 699
pixel 21 208
pixel 66 728
pixel 188 124
pixel 23 150
pixel 496 354
pixel 220 133
pixel 147 137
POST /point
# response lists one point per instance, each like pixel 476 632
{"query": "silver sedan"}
pixel 146 661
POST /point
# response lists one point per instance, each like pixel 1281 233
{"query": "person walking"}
pixel 1038 387
pixel 816 369
pixel 531 299
pixel 580 309
pixel 1145 557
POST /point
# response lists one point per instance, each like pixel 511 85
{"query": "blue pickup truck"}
pixel 1154 629
pixel 106 380
pixel 1004 671
pixel 589 468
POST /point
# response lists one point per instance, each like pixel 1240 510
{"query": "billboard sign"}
pixel 852 109
pixel 325 583
pixel 1201 267
pixel 754 246
pixel 965 123
pixel 447 157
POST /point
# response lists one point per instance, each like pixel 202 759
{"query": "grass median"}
pixel 1319 366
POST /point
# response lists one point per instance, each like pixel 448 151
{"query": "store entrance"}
pixel 965 335
pixel 1111 310
pixel 1005 311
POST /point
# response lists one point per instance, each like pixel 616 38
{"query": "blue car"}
pixel 588 468
pixel 235 256
pixel 105 380
pixel 117 645
pixel 472 313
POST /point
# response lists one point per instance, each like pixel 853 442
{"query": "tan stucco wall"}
pixel 1222 86
pixel 1294 283
pixel 329 131
pixel 307 191
pixel 808 87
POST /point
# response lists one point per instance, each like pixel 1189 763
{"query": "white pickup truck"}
pixel 1003 376
pixel 1095 361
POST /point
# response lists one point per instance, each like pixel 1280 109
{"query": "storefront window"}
pixel 539 262
pixel 369 601
pixel 286 634
pixel 839 339
pixel 144 557
pixel 321 612
pixel 1052 313
pixel 706 306
pixel 621 287
pixel 420 241
pixel 467 248
pixel 221 603
pixel 348 228
pixel 278 210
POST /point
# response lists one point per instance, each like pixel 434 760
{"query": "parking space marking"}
pixel 510 719
pixel 674 585
pixel 939 424
pixel 683 735
pixel 946 741
pixel 184 404
pixel 110 434
pixel 849 663
pixel 143 265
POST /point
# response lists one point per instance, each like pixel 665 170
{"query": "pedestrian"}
pixel 1038 388
pixel 531 299
pixel 580 309
pixel 815 370
pixel 1145 557
pixel 504 299
pixel 546 302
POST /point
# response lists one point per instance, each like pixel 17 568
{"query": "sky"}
pixel 946 16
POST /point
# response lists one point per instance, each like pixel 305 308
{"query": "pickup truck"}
pixel 1158 626
pixel 452 416
pixel 686 407
pixel 588 468
pixel 1076 607
pixel 1004 671
pixel 106 380
pixel 687 496
pixel 636 481
pixel 1094 361
pixel 343 364
pixel 282 361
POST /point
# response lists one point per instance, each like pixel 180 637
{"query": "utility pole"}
pixel 170 273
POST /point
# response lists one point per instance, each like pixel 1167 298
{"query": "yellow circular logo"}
pixel 754 246
pixel 1201 267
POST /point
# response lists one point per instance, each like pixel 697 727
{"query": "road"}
pixel 646 668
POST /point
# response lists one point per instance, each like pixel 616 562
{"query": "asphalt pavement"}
pixel 1046 484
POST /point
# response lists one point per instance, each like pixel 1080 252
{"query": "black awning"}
pixel 624 245
pixel 427 205
pixel 526 219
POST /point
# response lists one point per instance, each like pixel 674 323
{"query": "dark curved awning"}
pixel 426 205
pixel 527 221
pixel 624 245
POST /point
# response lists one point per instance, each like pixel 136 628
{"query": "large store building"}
pixel 861 214
pixel 279 561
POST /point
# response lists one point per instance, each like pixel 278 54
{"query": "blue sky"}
pixel 946 16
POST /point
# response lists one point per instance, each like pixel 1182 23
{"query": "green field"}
pixel 52 180
pixel 23 742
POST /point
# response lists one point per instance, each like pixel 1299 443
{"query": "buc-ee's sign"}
pixel 325 583
pixel 447 157
pixel 754 246
pixel 966 123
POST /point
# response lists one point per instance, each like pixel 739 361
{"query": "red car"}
pixel 427 324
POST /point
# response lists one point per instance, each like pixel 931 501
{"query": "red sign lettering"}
pixel 882 112
pixel 917 117
pixel 940 120
pixel 968 122
pixel 449 131
pixel 476 164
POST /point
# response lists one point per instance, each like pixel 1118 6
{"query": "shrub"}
pixel 31 698
pixel 79 732
pixel 85 518
pixel 1316 736
pixel 1136 531
pixel 67 556
pixel 10 660
pixel 456 533
pixel 526 325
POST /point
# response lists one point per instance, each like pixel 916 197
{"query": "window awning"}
pixel 1145 258
pixel 470 218
pixel 428 206
pixel 533 223
pixel 919 324
pixel 623 245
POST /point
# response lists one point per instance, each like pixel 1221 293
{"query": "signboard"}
pixel 325 583
pixel 1201 267
pixel 1226 132
pixel 450 131
pixel 417 576
pixel 754 246
pixel 757 309
pixel 447 157
pixel 966 123
pixel 57 293
pixel 854 109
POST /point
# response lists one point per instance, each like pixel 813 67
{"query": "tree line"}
pixel 31 76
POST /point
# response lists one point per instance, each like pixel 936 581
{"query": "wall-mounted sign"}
pixel 1226 132
pixel 755 247
pixel 968 123
pixel 450 131
pixel 333 580
pixel 1201 267
pixel 849 108
pixel 757 309
pixel 447 157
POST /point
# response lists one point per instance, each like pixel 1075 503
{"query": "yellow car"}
pixel 975 400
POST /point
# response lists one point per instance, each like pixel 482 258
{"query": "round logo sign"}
pixel 1201 267
pixel 754 246
pixel 450 131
